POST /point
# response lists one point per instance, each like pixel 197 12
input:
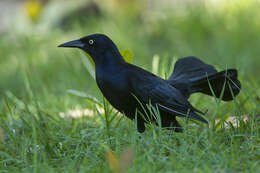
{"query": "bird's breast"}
pixel 114 87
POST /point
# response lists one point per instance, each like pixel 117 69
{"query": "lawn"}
pixel 53 118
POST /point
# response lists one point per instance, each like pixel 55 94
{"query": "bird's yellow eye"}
pixel 91 42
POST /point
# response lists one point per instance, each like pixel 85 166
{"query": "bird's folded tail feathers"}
pixel 189 114
pixel 191 75
pixel 225 81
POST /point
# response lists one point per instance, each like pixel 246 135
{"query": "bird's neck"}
pixel 109 59
pixel 108 67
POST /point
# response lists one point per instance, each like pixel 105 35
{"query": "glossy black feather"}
pixel 191 75
pixel 191 68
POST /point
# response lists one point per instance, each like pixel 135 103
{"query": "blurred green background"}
pixel 35 76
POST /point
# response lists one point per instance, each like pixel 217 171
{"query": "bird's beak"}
pixel 74 43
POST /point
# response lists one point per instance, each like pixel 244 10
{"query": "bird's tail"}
pixel 191 75
pixel 213 85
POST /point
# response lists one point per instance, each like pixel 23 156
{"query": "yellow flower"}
pixel 33 9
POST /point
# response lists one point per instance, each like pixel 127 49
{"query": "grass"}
pixel 36 75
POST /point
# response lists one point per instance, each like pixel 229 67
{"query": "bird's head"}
pixel 98 46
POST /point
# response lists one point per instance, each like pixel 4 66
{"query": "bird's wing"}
pixel 171 100
pixel 150 88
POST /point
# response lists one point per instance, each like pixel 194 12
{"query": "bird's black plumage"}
pixel 191 75
pixel 125 85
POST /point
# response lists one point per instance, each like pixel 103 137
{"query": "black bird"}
pixel 127 86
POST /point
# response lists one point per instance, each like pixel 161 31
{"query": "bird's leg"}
pixel 176 126
pixel 169 121
pixel 140 126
